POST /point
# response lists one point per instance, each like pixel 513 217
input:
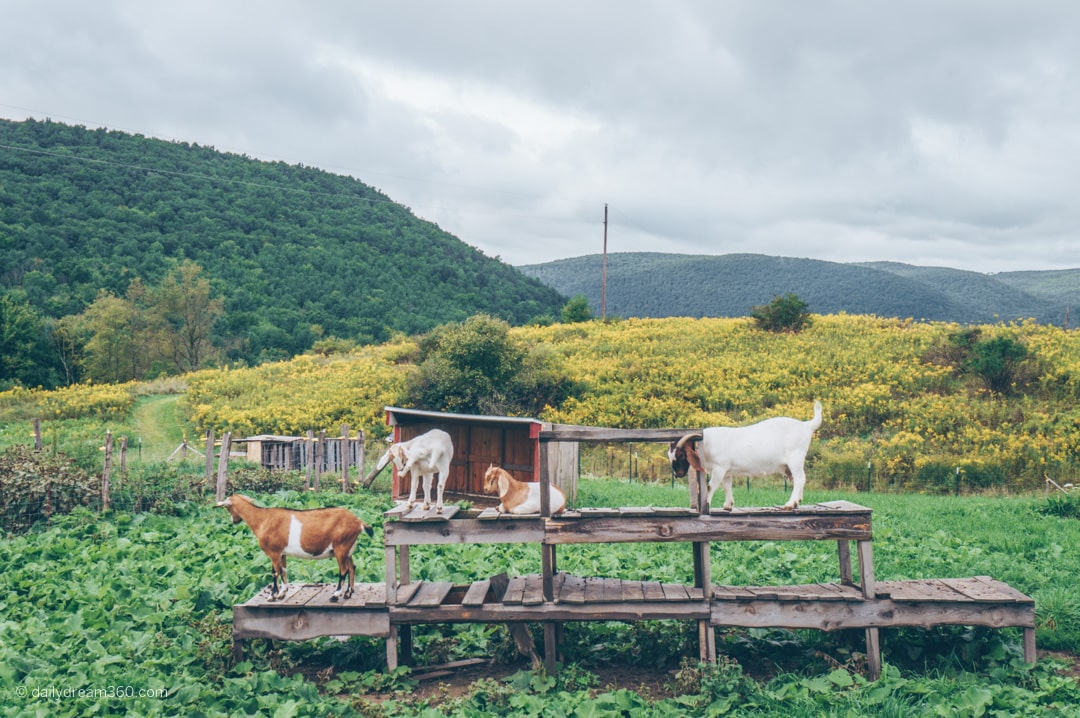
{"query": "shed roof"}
pixel 393 412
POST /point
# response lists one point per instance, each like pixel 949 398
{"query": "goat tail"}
pixel 816 421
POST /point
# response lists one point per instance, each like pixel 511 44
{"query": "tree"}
pixel 576 310
pixel 25 356
pixel 997 362
pixel 116 350
pixel 188 313
pixel 478 367
pixel 783 314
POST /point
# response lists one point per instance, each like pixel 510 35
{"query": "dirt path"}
pixel 159 424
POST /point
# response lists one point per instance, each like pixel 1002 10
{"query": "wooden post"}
pixel 37 434
pixel 320 451
pixel 123 457
pixel 105 473
pixel 309 447
pixel 209 455
pixel 223 465
pixel 343 455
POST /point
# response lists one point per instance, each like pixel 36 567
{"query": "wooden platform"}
pixel 552 597
pixel 306 610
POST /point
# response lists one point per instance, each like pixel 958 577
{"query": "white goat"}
pixel 768 447
pixel 422 456
pixel 520 497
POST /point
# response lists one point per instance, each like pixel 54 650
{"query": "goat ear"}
pixel 693 457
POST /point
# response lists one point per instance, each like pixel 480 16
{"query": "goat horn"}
pixel 688 437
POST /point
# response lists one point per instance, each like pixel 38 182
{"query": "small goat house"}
pixel 480 441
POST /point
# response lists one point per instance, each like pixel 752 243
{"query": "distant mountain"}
pixel 648 284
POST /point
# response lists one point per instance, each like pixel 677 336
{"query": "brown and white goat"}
pixel 771 446
pixel 520 497
pixel 310 533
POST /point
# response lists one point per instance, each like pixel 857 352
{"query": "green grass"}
pixel 144 600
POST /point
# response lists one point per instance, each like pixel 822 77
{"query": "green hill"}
pixel 643 284
pixel 295 252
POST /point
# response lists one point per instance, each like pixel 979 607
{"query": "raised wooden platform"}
pixel 553 597
pixel 307 612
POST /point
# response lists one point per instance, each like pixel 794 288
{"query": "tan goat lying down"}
pixel 520 497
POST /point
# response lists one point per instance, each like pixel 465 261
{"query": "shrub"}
pixel 783 314
pixel 35 485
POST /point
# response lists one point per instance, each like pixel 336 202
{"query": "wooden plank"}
pixel 322 598
pixel 533 594
pixel 397 512
pixel 1005 589
pixel 593 513
pixel 431 514
pixel 873 613
pixel 301 624
pixel 591 527
pixel 370 595
pixel 631 511
pixel 489 514
pixel 406 592
pixel 727 593
pixel 613 590
pixel 477 592
pixel 515 590
pixel 298 594
pixel 673 511
pixel 431 594
pixel 675 592
pixel 695 593
pixel 632 591
pixel 572 590
pixel 594 589
pixel 923 590
pixel 463 531
pixel 652 590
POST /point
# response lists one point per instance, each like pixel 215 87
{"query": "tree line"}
pixel 149 331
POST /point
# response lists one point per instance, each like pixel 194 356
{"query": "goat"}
pixel 422 456
pixel 767 447
pixel 519 497
pixel 311 533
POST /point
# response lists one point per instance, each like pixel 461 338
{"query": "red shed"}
pixel 479 441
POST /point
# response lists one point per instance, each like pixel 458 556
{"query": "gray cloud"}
pixel 929 133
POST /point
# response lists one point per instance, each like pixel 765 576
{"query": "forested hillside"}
pixel 295 255
pixel 643 284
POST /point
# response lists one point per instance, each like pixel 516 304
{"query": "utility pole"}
pixel 603 271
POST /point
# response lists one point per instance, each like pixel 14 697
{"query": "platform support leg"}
pixel 391 649
pixel 551 648
pixel 1029 645
pixel 844 551
pixel 873 654
pixel 238 649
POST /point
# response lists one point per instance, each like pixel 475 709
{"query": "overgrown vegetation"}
pixel 142 601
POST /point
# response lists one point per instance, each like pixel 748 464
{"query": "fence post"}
pixel 223 464
pixel 105 473
pixel 309 457
pixel 123 459
pixel 209 455
pixel 320 452
pixel 344 455
pixel 37 434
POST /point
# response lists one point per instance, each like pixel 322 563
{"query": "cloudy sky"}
pixel 927 132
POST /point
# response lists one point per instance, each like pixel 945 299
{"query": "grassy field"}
pixel 143 601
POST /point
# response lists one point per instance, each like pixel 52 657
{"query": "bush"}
pixel 783 314
pixel 35 485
